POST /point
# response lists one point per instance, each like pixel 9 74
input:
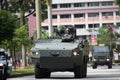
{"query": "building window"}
pixel 54 6
pixel 79 4
pixel 93 4
pixel 106 14
pixel 93 25
pixel 79 15
pixel 54 16
pixel 93 14
pixel 80 26
pixel 107 3
pixel 65 5
pixel 117 13
pixel 104 24
pixel 65 16
pixel 118 24
pixel 45 27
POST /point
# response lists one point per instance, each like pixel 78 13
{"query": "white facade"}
pixel 84 14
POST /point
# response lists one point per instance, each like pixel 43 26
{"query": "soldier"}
pixel 67 33
pixel 73 31
pixel 86 48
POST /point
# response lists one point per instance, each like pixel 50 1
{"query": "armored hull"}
pixel 54 55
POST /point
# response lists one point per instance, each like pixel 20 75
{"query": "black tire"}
pixel 3 76
pixel 41 73
pixel 109 65
pixel 94 66
pixel 78 72
pixel 85 70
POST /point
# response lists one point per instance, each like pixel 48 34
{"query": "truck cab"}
pixel 101 56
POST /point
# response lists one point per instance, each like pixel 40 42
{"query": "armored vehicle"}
pixel 5 68
pixel 102 56
pixel 64 54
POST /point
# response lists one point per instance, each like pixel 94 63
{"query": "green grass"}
pixel 22 71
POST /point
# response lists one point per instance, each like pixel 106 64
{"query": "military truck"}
pixel 5 67
pixel 102 55
pixel 63 54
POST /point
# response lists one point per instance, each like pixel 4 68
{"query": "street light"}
pixel 49 3
pixel 38 17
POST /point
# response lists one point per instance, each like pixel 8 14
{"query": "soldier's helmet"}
pixel 67 31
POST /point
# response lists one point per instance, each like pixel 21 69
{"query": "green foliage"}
pixel 22 71
pixel 44 10
pixel 27 5
pixel 7 25
pixel 117 2
pixel 105 35
pixel 21 36
pixel 61 27
pixel 44 34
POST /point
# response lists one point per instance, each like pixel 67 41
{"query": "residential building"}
pixel 83 14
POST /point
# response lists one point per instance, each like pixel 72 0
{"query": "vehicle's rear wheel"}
pixel 41 73
pixel 78 72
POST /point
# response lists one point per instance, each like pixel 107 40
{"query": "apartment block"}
pixel 83 14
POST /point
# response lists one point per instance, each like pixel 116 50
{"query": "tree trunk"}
pixel 22 22
pixel 23 56
pixel 22 19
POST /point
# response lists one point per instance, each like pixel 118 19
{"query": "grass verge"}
pixel 22 71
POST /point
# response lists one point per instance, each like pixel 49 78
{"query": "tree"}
pixel 21 6
pixel 7 26
pixel 106 36
pixel 117 2
pixel 21 38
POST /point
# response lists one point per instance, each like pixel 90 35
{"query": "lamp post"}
pixel 38 17
pixel 49 2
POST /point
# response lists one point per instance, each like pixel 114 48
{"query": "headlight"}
pixel 1 64
pixel 94 59
pixel 75 53
pixel 108 59
pixel 35 53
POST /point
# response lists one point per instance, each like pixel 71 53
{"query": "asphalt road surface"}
pixel 101 73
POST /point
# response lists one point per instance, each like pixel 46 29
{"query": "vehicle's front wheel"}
pixel 110 65
pixel 41 73
pixel 85 70
pixel 3 76
pixel 78 72
pixel 94 66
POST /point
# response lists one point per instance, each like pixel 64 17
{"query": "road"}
pixel 101 73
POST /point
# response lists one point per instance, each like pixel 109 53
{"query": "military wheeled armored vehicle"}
pixel 5 68
pixel 65 54
pixel 102 55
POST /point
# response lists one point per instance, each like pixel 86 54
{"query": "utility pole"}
pixel 38 17
pixel 49 2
